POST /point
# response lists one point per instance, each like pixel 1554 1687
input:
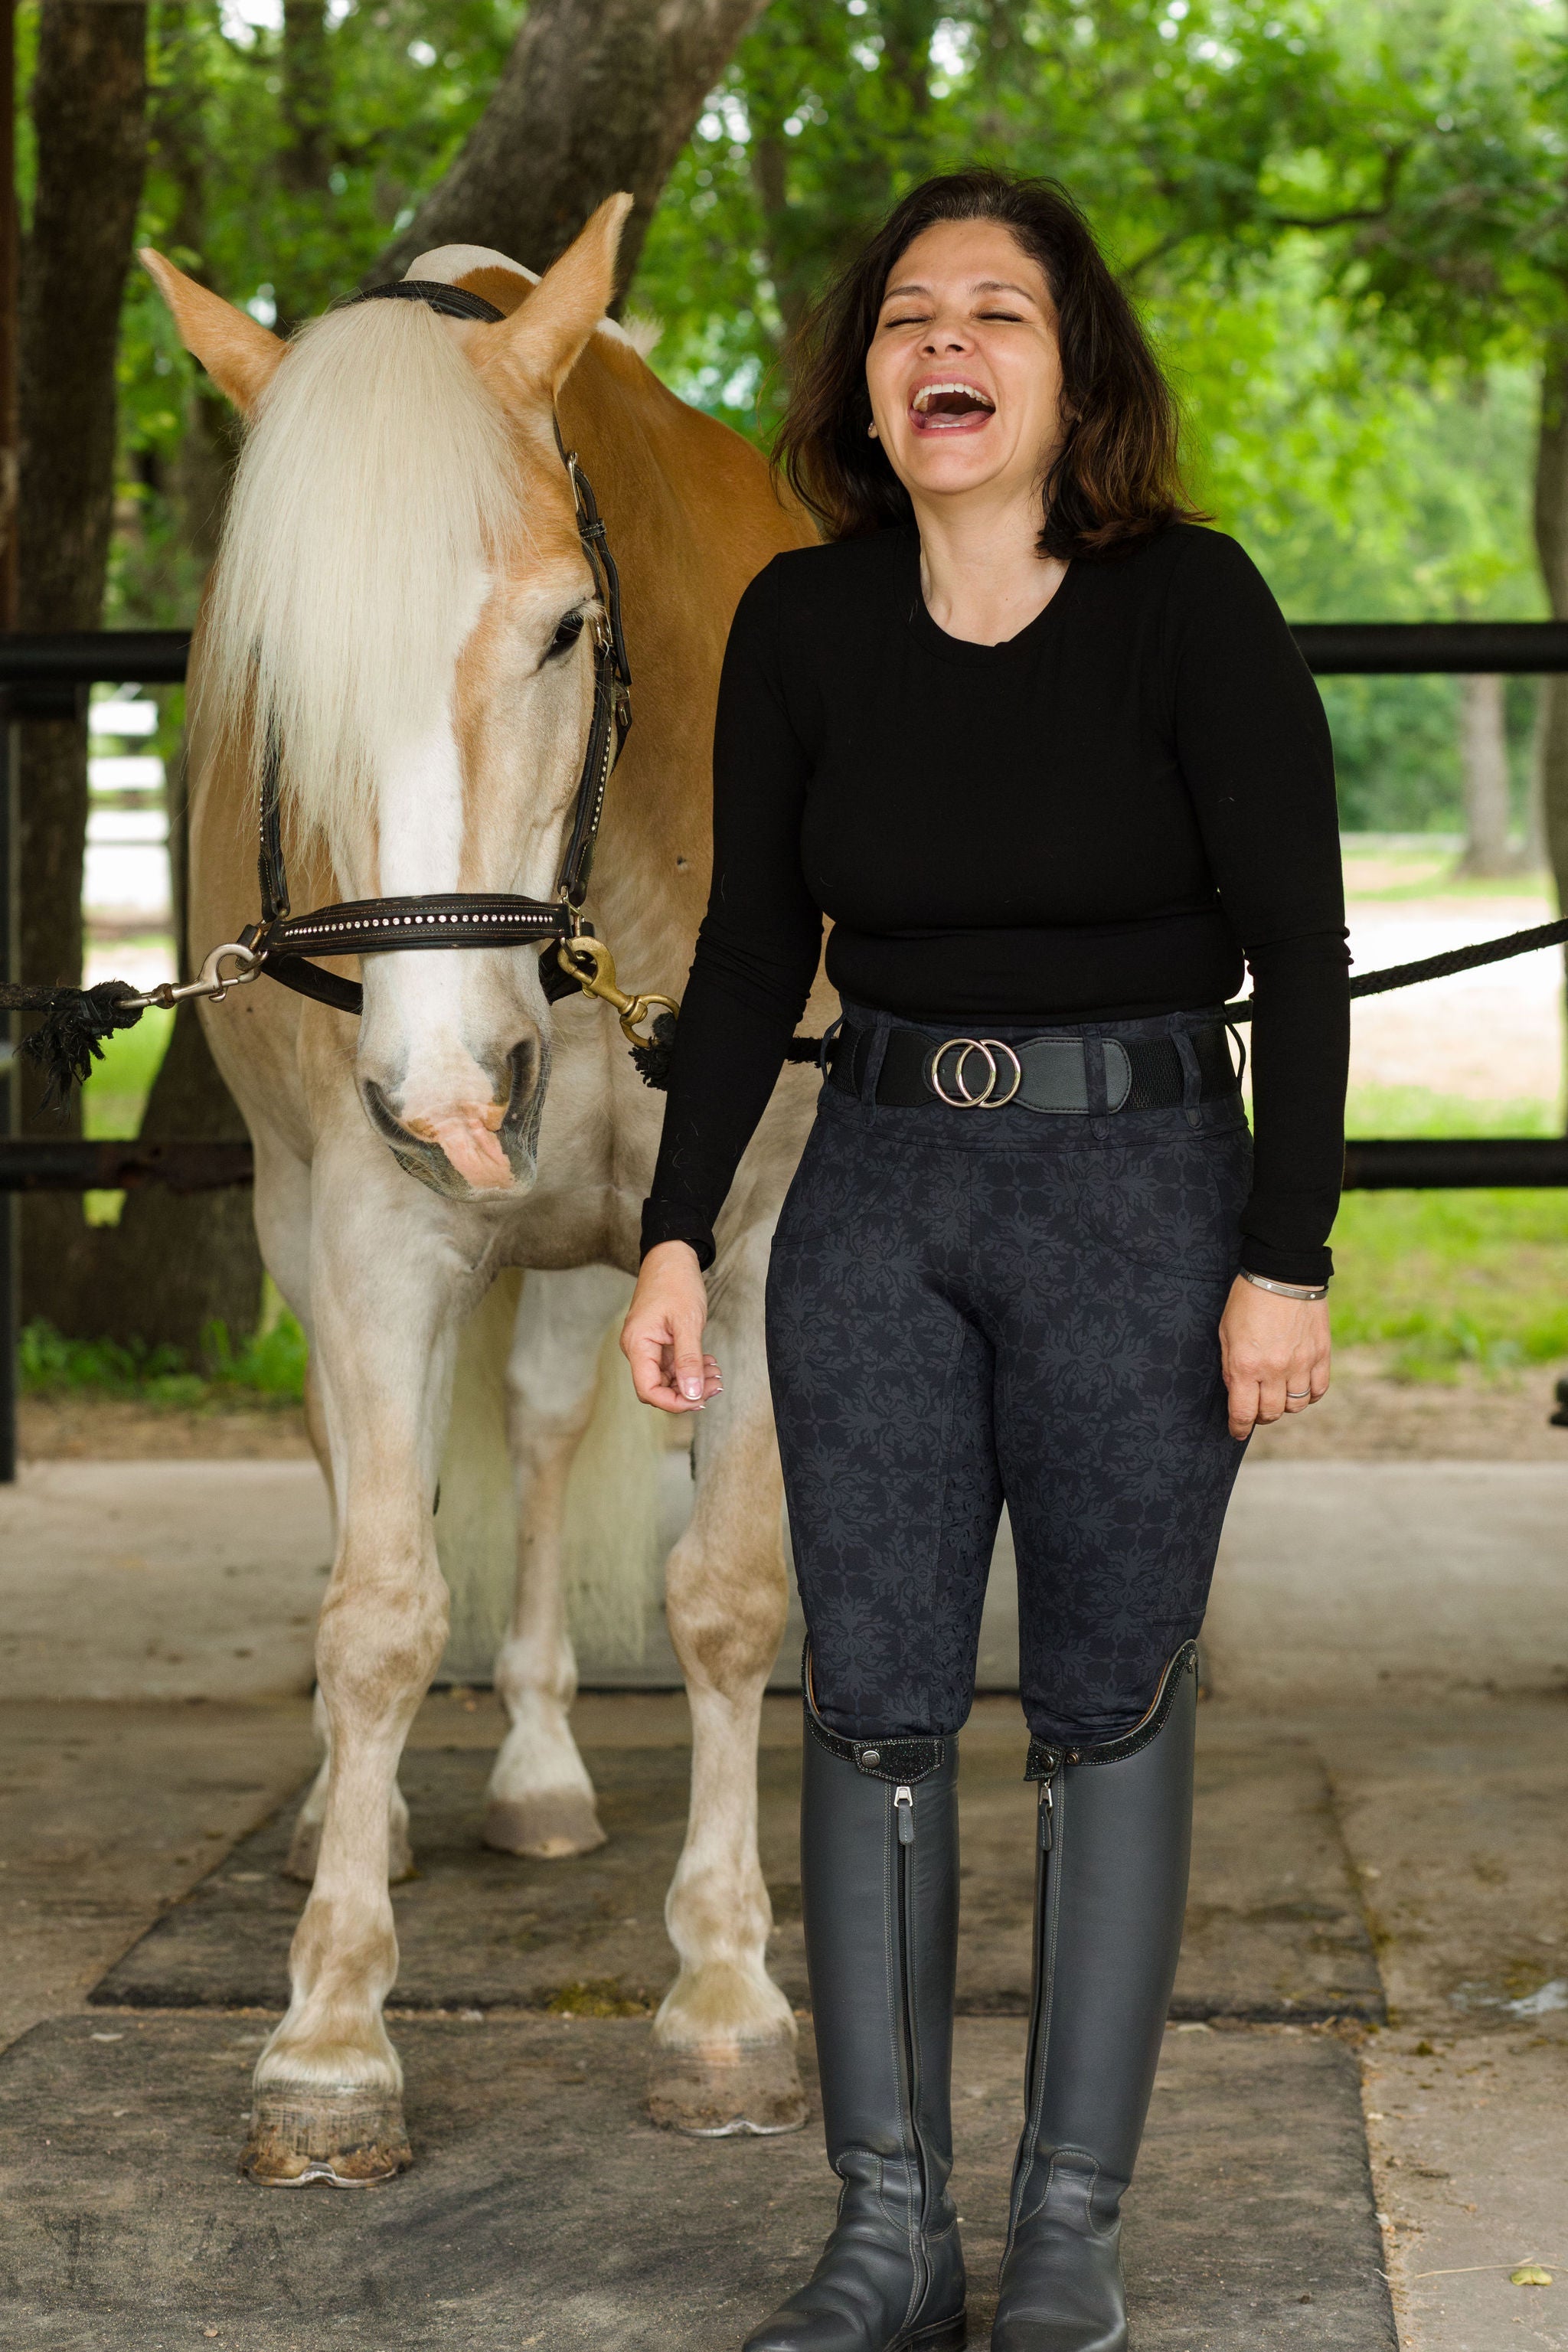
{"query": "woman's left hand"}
pixel 1275 1352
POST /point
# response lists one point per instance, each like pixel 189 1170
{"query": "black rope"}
pixel 1368 984
pixel 70 1038
pixel 1439 967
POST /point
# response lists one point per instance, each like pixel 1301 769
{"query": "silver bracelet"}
pixel 1286 1290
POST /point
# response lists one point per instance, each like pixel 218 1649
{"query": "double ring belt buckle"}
pixel 966 1097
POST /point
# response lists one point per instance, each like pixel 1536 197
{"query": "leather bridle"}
pixel 281 944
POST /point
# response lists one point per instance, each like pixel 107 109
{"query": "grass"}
pixel 268 1369
pixel 112 1098
pixel 1440 1280
pixel 1429 870
pixel 115 1096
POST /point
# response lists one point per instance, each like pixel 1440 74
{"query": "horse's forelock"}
pixel 377 487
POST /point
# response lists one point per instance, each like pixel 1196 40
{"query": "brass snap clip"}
pixel 592 967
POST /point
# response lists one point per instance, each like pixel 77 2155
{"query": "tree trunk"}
pixel 176 1264
pixel 176 1261
pixel 596 95
pixel 1483 744
pixel 89 107
pixel 302 286
pixel 1552 547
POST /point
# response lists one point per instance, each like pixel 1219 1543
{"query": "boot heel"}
pixel 947 2335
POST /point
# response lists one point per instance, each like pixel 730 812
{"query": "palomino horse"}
pixel 401 600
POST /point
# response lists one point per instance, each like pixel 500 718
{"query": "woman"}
pixel 1043 751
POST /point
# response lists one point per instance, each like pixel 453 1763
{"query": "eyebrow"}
pixel 982 286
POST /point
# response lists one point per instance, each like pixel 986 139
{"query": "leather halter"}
pixel 282 942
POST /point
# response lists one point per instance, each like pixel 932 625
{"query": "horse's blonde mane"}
pixel 376 485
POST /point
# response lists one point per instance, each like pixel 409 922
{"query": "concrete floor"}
pixel 1408 1626
pixel 1337 1581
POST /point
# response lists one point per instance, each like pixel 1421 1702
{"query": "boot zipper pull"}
pixel 904 1806
pixel 1048 1816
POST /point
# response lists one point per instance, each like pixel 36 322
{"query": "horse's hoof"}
pixel 550 1827
pixel 349 2136
pixel 718 2093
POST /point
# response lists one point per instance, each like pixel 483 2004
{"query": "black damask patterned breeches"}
pixel 968 1307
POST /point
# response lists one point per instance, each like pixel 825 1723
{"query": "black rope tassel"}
pixel 652 1060
pixel 70 1038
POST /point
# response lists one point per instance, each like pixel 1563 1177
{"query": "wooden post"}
pixel 10 1088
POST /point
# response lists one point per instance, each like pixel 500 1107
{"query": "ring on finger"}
pixel 1296 1395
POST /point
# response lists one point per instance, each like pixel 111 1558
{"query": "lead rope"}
pixel 70 1038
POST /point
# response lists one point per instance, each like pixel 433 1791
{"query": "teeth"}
pixel 928 392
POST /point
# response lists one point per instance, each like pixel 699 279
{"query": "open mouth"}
pixel 953 406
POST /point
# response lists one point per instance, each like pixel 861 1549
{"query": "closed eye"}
pixel 568 629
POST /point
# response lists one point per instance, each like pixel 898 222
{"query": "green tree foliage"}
pixel 284 154
pixel 1342 219
pixel 1241 164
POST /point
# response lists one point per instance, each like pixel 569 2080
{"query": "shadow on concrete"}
pixel 545 2212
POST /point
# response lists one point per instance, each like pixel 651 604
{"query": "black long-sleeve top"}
pixel 1099 819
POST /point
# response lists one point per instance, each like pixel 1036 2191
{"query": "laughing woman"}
pixel 1042 749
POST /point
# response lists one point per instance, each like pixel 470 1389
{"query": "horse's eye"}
pixel 566 635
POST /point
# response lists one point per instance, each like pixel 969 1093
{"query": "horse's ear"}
pixel 237 350
pixel 534 351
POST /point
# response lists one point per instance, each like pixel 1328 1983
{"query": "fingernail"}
pixel 691 1388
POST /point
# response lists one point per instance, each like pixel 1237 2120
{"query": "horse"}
pixel 402 620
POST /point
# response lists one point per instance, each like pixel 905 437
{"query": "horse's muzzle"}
pixel 471 1155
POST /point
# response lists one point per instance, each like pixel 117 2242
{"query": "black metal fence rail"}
pixel 43 1163
pixel 1423 649
pixel 47 676
pixel 1414 1163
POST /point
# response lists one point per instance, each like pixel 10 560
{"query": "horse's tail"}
pixel 612 1544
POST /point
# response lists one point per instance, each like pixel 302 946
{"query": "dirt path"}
pixel 1365 1417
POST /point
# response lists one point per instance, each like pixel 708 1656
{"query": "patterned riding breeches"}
pixel 972 1306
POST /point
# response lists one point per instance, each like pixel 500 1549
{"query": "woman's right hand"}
pixel 662 1337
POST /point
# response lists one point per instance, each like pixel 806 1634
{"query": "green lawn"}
pixel 267 1367
pixel 1443 1279
pixel 112 1098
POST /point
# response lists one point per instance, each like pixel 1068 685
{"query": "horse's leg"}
pixel 305 1845
pixel 723 2058
pixel 540 1798
pixel 387 1293
pixel 283 1229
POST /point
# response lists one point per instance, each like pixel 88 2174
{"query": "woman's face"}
pixel 964 370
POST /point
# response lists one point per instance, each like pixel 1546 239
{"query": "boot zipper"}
pixel 1045 1849
pixel 904 1812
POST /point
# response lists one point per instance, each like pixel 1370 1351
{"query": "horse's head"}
pixel 403 598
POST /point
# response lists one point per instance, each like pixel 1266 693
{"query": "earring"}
pixel 871 432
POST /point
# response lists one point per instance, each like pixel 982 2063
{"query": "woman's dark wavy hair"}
pixel 1117 476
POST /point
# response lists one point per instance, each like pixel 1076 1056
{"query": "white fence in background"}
pixel 126 888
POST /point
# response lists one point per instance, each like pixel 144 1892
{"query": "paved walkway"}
pixel 1405 1621
pixel 201 1579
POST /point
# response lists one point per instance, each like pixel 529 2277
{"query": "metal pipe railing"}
pixel 47 677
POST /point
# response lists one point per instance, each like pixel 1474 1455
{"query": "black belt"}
pixel 1040 1074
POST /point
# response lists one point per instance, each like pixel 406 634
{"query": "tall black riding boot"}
pixel 1115 1835
pixel 878 1837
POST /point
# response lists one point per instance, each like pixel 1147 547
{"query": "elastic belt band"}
pixel 1044 1073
